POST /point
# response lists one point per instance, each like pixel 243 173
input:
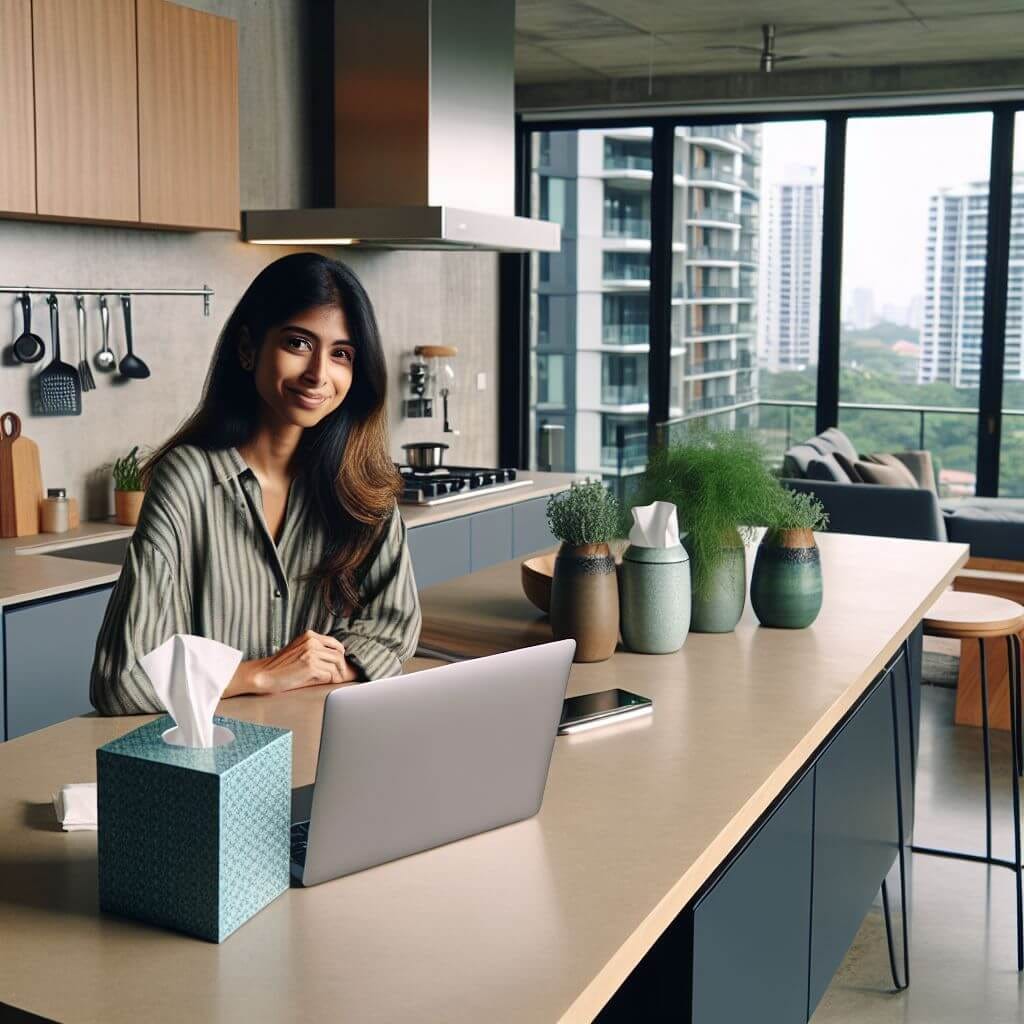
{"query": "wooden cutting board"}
pixel 21 482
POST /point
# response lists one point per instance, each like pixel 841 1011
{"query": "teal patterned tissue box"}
pixel 194 839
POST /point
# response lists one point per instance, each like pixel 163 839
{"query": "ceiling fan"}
pixel 768 57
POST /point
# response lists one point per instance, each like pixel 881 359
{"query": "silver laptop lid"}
pixel 411 762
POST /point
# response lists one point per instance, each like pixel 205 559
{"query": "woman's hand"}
pixel 311 659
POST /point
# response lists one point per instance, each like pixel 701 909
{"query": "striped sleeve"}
pixel 148 604
pixel 386 630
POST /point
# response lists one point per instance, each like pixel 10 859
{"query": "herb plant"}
pixel 799 511
pixel 585 514
pixel 127 472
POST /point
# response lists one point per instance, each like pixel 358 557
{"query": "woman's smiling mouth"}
pixel 307 399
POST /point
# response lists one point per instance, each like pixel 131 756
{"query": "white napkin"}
pixel 189 673
pixel 75 806
pixel 655 526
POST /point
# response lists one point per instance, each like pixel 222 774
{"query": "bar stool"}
pixel 960 615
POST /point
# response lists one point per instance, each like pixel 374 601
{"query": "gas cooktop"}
pixel 453 483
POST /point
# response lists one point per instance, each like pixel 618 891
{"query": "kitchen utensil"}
pixel 84 373
pixel 28 347
pixel 60 390
pixel 21 482
pixel 425 454
pixel 105 359
pixel 131 365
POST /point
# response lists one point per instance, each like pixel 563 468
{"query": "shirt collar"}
pixel 227 464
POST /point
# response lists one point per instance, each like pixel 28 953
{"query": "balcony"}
pixel 631 455
pixel 715 252
pixel 710 292
pixel 624 394
pixel 719 214
pixel 713 330
pixel 709 366
pixel 627 227
pixel 710 403
pixel 626 334
pixel 717 175
pixel 627 162
pixel 718 132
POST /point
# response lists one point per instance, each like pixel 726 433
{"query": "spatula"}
pixel 59 389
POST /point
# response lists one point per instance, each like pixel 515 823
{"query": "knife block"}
pixel 197 840
pixel 21 482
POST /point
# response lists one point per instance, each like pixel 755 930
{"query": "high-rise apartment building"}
pixel 591 301
pixel 790 271
pixel 955 286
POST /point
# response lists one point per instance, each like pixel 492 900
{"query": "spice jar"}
pixel 55 511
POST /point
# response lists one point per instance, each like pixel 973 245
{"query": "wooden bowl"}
pixel 536 575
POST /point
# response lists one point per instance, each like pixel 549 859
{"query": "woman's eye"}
pixel 295 340
pixel 344 353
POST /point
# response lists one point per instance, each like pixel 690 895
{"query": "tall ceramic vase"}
pixel 585 600
pixel 785 588
pixel 718 608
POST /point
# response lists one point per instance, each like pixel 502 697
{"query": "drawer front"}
pixel 855 830
pixel 530 527
pixel 440 551
pixel 750 932
pixel 491 537
pixel 49 649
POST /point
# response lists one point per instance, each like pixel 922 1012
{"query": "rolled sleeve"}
pixel 385 631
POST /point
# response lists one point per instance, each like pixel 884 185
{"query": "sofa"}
pixel 896 496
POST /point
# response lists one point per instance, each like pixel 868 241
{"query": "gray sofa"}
pixel 993 527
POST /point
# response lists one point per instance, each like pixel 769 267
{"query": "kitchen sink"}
pixel 109 551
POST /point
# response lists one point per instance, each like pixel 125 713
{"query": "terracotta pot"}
pixel 785 587
pixel 585 600
pixel 126 507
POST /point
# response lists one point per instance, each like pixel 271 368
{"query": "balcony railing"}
pixel 627 272
pixel 627 227
pixel 715 252
pixel 719 213
pixel 713 291
pixel 725 132
pixel 627 162
pixel 626 334
pixel 712 330
pixel 623 394
pixel 715 174
pixel 695 369
pixel 630 454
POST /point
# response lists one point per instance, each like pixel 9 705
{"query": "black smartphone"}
pixel 590 710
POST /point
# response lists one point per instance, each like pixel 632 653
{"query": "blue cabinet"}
pixel 530 527
pixel 49 647
pixel 490 537
pixel 440 551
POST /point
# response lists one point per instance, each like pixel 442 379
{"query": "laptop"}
pixel 412 762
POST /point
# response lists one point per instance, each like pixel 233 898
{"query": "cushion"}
pixel 848 467
pixel 825 467
pixel 885 470
pixel 921 468
pixel 796 460
pixel 991 532
pixel 837 441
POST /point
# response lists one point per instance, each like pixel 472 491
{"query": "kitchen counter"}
pixel 539 921
pixel 28 569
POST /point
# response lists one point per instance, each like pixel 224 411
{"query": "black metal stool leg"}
pixel 901 838
pixel 988 751
pixel 1013 664
pixel 910 714
pixel 1013 669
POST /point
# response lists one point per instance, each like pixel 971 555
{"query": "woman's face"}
pixel 305 366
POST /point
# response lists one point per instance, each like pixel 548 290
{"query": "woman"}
pixel 270 520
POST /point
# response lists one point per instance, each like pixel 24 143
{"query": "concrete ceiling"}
pixel 578 40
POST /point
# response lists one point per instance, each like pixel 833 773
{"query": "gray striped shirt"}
pixel 202 561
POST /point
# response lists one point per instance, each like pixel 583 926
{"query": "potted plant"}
pixel 785 587
pixel 722 489
pixel 128 489
pixel 584 590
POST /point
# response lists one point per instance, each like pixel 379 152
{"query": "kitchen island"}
pixel 655 838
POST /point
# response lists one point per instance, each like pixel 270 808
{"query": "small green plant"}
pixel 585 514
pixel 799 511
pixel 128 473
pixel 722 489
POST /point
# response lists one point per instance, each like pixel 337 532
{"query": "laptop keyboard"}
pixel 300 839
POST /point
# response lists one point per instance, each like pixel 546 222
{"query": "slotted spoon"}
pixel 84 373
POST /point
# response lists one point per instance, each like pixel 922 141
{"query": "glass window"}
pixel 551 380
pixel 915 221
pixel 1011 448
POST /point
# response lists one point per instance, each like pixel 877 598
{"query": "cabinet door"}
pixel 440 551
pixel 18 151
pixel 530 527
pixel 855 831
pixel 491 537
pixel 48 682
pixel 188 117
pixel 87 154
pixel 750 932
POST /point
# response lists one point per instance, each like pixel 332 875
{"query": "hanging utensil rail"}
pixel 205 292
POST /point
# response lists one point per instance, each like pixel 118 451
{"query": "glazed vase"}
pixel 720 608
pixel 654 598
pixel 585 600
pixel 785 588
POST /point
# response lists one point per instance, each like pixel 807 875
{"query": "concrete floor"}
pixel 963 934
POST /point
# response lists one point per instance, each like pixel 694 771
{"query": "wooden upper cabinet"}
pixel 18 144
pixel 188 117
pixel 86 101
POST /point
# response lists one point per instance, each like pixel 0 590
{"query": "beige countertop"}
pixel 28 571
pixel 539 921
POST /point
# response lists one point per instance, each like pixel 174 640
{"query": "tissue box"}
pixel 194 839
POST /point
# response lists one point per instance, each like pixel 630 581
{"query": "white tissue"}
pixel 75 806
pixel 655 526
pixel 189 674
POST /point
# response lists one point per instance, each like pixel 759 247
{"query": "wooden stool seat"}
pixel 962 615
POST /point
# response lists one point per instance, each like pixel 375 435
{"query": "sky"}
pixel 893 165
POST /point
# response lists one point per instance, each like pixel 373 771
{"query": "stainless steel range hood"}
pixel 424 133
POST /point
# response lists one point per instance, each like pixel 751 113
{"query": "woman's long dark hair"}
pixel 345 457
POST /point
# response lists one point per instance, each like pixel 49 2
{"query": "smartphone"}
pixel 591 710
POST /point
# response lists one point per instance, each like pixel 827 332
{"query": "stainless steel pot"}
pixel 425 454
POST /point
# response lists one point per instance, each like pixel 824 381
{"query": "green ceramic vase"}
pixel 718 610
pixel 785 588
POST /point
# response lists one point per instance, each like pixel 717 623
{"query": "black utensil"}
pixel 28 347
pixel 131 365
pixel 60 390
